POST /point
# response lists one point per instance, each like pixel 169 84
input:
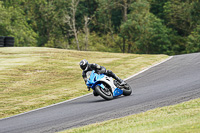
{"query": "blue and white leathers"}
pixel 94 79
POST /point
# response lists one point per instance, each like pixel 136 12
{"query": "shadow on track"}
pixel 99 100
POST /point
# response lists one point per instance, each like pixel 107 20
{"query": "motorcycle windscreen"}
pixel 90 77
pixel 88 74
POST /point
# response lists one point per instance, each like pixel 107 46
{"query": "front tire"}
pixel 104 93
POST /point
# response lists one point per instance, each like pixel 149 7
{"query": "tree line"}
pixel 128 26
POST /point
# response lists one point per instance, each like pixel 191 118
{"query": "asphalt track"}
pixel 174 81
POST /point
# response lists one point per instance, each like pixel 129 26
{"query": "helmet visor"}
pixel 83 67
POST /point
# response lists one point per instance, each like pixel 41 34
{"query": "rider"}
pixel 85 66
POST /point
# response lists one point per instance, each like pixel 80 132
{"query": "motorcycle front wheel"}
pixel 104 92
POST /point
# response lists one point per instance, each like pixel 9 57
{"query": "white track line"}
pixel 149 68
pixel 46 107
pixel 86 94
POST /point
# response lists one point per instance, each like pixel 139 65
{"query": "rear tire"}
pixel 104 93
pixel 127 90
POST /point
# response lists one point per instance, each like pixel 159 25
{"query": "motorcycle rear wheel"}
pixel 104 93
pixel 127 90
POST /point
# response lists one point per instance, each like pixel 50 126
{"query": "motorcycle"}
pixel 105 86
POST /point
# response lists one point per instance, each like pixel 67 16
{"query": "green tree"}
pixel 193 41
pixel 145 30
pixel 132 29
pixel 157 8
pixel 110 15
pixel 180 15
pixel 13 23
pixel 155 38
pixel 46 19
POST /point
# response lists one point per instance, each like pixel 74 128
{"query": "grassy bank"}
pixel 32 77
pixel 181 118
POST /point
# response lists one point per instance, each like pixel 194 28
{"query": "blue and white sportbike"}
pixel 105 86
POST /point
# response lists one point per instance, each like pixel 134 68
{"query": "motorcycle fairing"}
pixel 92 82
pixel 117 92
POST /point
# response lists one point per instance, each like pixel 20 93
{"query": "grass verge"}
pixel 181 118
pixel 32 77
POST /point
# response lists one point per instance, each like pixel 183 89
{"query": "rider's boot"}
pixel 120 81
pixel 110 73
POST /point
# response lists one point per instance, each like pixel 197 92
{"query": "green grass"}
pixel 33 77
pixel 181 118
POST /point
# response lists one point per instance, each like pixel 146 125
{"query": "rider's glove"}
pixel 85 79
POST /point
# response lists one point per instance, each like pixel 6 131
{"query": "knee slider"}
pixel 109 72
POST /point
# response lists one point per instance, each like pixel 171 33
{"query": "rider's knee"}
pixel 109 72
